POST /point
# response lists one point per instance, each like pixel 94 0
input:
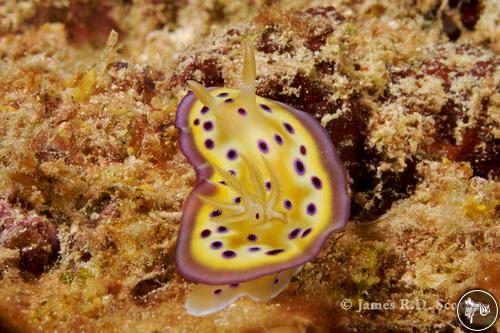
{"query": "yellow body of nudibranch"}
pixel 267 195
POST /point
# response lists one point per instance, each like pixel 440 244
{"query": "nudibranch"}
pixel 270 190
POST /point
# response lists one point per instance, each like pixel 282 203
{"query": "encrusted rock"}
pixel 35 238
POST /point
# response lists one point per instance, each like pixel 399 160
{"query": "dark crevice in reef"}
pixel 457 16
pixel 469 13
pixel 144 289
pixel 450 28
pixel 146 286
pixel 269 42
pixel 210 68
pixel 6 327
pixel 84 23
pixel 374 198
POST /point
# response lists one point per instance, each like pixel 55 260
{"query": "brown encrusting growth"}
pixel 92 182
pixel 33 238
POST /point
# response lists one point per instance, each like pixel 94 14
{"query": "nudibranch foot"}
pixel 206 299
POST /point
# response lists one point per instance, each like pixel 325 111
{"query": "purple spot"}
pixel 221 229
pixel 254 249
pixel 196 122
pixel 276 281
pixel 209 143
pixel 316 182
pixel 232 154
pixel 268 185
pixel 306 232
pixel 223 182
pixel 303 150
pixel 257 216
pixel 229 100
pixel 274 252
pixel 299 167
pixel 237 200
pixel 234 285
pixel 217 291
pixel 287 203
pixel 311 209
pixel 232 172
pixel 252 237
pixel 289 128
pixel 278 139
pixel 265 108
pixel 204 110
pixel 294 233
pixel 205 233
pixel 262 146
pixel 216 245
pixel 229 254
pixel 242 111
pixel 216 213
pixel 208 126
pixel 223 94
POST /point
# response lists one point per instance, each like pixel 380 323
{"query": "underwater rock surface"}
pixel 407 91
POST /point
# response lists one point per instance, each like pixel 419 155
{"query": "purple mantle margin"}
pixel 191 269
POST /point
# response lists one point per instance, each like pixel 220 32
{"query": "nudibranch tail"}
pixel 206 299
